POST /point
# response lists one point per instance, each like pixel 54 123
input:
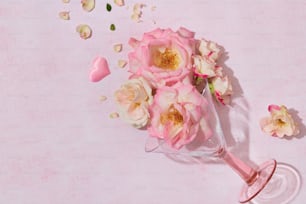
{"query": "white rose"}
pixel 209 49
pixel 222 89
pixel 204 66
pixel 133 99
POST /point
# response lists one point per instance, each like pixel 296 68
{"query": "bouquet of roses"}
pixel 161 94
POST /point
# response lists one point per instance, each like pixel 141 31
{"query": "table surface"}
pixel 58 143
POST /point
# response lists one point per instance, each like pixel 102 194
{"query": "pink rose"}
pixel 178 115
pixel 279 123
pixel 163 56
pixel 133 99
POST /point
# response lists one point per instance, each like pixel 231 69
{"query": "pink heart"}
pixel 99 69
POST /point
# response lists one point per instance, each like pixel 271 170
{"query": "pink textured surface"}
pixel 58 144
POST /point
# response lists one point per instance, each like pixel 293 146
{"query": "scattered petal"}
pixel 99 69
pixel 66 1
pixel 153 8
pixel 114 115
pixel 137 12
pixel 64 15
pixel 88 5
pixel 119 2
pixel 137 7
pixel 84 31
pixel 118 47
pixel 103 98
pixel 280 123
pixel 122 63
pixel 136 17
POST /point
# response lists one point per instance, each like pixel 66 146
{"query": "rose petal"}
pixel 133 42
pixel 185 32
pixel 99 69
pixel 64 15
pixel 137 12
pixel 122 63
pixel 118 47
pixel 88 5
pixel 137 7
pixel 136 16
pixel 103 98
pixel 119 2
pixel 84 31
pixel 273 107
pixel 66 1
pixel 114 115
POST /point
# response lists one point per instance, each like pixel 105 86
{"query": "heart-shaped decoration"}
pixel 99 69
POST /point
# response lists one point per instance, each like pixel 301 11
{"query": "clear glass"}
pixel 256 179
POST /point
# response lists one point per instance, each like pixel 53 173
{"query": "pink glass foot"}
pixel 264 174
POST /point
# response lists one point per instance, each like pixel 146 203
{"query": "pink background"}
pixel 58 144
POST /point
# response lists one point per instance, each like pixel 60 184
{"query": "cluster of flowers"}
pixel 161 93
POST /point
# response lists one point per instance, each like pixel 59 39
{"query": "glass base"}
pixel 265 172
pixel 282 188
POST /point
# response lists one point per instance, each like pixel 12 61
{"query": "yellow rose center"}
pixel 172 115
pixel 168 59
pixel 280 122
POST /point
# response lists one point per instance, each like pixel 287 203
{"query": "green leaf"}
pixel 112 27
pixel 108 7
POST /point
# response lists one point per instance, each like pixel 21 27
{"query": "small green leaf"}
pixel 112 27
pixel 108 7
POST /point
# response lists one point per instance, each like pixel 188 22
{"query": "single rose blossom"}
pixel 133 99
pixel 280 123
pixel 209 49
pixel 179 115
pixel 204 67
pixel 163 56
pixel 222 89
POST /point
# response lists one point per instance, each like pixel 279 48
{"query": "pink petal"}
pixel 99 69
pixel 273 107
pixel 185 32
pixel 133 42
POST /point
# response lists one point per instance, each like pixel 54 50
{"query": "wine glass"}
pixel 284 181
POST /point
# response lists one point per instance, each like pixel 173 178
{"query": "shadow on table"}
pixel 299 122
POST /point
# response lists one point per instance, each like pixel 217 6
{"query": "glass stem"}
pixel 247 173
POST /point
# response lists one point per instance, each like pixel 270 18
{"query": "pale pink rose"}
pixel 204 67
pixel 209 49
pixel 133 99
pixel 163 56
pixel 221 88
pixel 178 115
pixel 280 123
